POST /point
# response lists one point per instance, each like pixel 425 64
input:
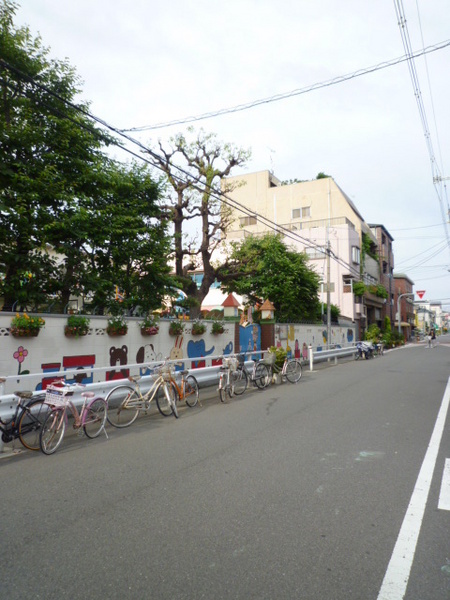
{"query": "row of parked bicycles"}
pixel 40 422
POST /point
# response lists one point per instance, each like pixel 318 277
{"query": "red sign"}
pixel 421 293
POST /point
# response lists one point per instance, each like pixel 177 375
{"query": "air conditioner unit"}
pixel 359 308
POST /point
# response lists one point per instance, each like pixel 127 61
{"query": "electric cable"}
pixel 296 92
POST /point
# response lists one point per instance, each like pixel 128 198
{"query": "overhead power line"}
pixel 192 179
pixel 292 93
pixel 410 57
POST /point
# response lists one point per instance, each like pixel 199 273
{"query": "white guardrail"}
pixel 206 376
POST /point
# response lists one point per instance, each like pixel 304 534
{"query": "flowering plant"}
pixel 149 326
pixel 198 328
pixel 176 327
pixel 76 326
pixel 24 325
pixel 116 325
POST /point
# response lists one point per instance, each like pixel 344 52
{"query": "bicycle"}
pixel 291 369
pixel 187 389
pixel 259 374
pixel 232 379
pixel 26 422
pixel 125 402
pixel 91 419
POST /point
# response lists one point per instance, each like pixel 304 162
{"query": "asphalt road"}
pixel 296 492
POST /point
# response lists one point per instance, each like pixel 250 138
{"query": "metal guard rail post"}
pixel 321 355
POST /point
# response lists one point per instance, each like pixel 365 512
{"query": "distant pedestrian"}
pixel 433 337
pixel 429 339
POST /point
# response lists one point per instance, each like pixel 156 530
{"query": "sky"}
pixel 147 62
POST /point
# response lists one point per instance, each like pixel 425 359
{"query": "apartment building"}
pixel 386 266
pixel 314 216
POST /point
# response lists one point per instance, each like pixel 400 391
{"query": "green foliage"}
pixel 206 162
pixel 150 321
pixel 387 324
pixel 264 268
pixel 358 288
pixel 26 323
pixel 176 327
pixel 218 327
pixel 322 175
pixel 116 325
pixel 373 333
pixel 59 190
pixel 280 356
pixel 378 290
pixel 77 325
pixel 198 327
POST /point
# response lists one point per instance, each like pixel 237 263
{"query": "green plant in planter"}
pixel 217 327
pixel 359 288
pixel 149 326
pixel 176 327
pixel 280 356
pixel 76 326
pixel 116 325
pixel 22 325
pixel 198 328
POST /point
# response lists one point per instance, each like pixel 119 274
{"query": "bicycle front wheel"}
pixel 191 391
pixel 239 381
pixel 30 422
pixel 262 376
pixel 94 417
pixel 166 400
pixel 52 431
pixel 122 406
pixel 293 370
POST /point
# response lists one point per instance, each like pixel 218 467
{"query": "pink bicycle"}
pixel 91 419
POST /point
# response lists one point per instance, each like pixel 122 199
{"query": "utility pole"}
pixel 328 269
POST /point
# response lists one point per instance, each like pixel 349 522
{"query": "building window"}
pixel 243 221
pixel 318 252
pixel 301 213
pixel 356 255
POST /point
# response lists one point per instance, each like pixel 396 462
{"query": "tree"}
pixel 199 165
pixel 73 220
pixel 46 149
pixel 264 268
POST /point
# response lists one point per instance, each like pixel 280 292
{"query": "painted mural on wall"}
pixel 20 355
pixel 250 340
pixel 286 337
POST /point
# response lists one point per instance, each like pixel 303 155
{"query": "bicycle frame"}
pixel 144 400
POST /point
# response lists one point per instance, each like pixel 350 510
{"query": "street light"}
pixel 398 310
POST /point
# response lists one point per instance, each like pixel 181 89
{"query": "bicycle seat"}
pixel 184 372
pixel 24 394
pixel 134 378
pixel 88 394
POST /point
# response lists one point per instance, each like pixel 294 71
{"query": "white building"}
pixel 312 216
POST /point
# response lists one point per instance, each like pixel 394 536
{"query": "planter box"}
pixel 149 330
pixel 21 332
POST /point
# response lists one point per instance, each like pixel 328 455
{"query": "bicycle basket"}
pixel 230 363
pixel 269 360
pixel 166 372
pixel 55 395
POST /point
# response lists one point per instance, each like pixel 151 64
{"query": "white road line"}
pixel 444 495
pixel 397 575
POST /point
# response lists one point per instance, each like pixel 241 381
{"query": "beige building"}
pixel 313 216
